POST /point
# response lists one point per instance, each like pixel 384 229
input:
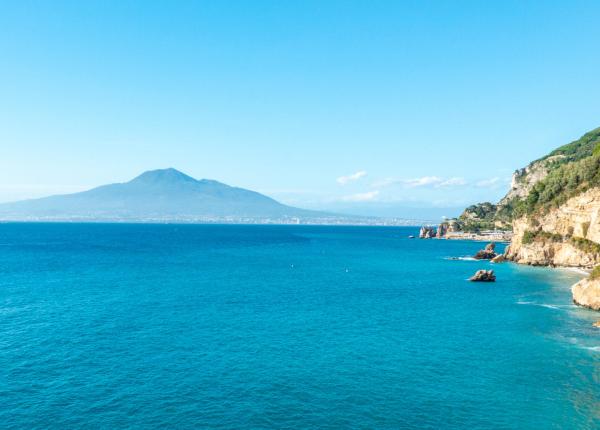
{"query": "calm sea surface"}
pixel 187 326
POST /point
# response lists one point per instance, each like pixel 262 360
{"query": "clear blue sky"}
pixel 425 103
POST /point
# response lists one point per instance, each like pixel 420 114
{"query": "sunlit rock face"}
pixel 587 293
pixel 558 234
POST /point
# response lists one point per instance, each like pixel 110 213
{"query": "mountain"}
pixel 158 195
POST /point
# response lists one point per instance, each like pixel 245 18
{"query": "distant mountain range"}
pixel 160 195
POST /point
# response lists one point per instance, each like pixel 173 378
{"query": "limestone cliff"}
pixel 564 236
pixel 587 293
pixel 553 206
pixel 524 179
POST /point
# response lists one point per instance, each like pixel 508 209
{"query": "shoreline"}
pixel 583 272
pixel 578 270
pixel 474 239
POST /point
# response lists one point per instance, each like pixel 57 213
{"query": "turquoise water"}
pixel 164 326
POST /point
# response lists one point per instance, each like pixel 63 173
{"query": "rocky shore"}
pixel 553 208
pixel 587 293
pixel 565 236
pixel 550 216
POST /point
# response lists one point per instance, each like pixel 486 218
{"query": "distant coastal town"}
pixel 451 230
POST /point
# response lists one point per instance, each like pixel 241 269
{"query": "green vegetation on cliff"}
pixel 482 211
pixel 571 169
pixel 595 273
pixel 478 217
pixel 562 183
pixel 585 245
pixel 540 235
pixel 544 184
pixel 583 147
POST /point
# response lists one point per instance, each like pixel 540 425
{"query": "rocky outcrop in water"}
pixel 569 236
pixel 587 293
pixel 430 232
pixel 487 253
pixel 483 276
pixel 441 230
pixel 554 208
pixel 427 232
pixel 500 258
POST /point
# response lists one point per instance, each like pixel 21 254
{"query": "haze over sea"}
pixel 210 326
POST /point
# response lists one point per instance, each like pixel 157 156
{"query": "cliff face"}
pixel 524 179
pixel 554 208
pixel 554 238
pixel 587 293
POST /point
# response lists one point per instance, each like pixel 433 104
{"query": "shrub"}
pixel 595 273
pixel 561 184
pixel 574 169
pixel 585 227
pixel 540 236
pixel 551 237
pixel 528 237
pixel 585 245
pixel 580 148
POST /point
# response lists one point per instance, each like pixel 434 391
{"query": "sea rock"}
pixel 596 324
pixel 426 232
pixel 500 258
pixel 587 293
pixel 441 230
pixel 486 254
pixel 483 276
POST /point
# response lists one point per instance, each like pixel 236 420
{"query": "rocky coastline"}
pixel 553 210
pixel 586 293
pixel 549 217
pixel 566 236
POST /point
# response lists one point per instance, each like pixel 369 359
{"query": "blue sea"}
pixel 114 326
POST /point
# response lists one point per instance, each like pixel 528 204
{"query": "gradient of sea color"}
pixel 187 326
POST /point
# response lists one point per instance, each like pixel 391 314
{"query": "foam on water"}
pixel 465 258
pixel 544 305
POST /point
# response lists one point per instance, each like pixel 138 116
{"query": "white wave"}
pixel 461 258
pixel 592 348
pixel 543 305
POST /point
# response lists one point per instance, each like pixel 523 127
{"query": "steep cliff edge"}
pixel 553 206
pixel 587 293
pixel 568 235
